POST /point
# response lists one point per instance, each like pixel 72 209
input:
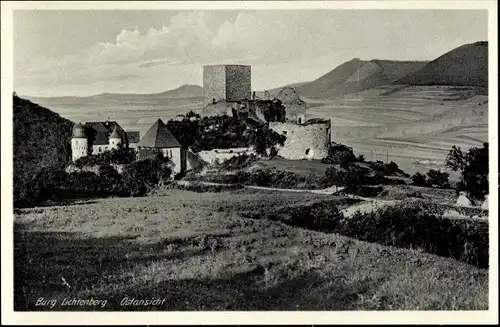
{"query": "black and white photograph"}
pixel 243 157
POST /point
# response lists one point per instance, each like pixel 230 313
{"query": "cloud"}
pixel 278 44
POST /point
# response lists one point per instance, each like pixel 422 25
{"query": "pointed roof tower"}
pixel 158 136
pixel 115 134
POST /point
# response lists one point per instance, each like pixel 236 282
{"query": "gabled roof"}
pixel 158 136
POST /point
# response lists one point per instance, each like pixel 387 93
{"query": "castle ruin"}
pixel 227 91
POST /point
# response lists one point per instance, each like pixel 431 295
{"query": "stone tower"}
pixel 79 142
pixel 115 140
pixel 227 83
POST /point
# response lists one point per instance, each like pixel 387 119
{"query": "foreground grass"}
pixel 196 252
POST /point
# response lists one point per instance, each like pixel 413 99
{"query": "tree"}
pixel 336 176
pixel 419 180
pixel 436 178
pixel 474 169
pixel 456 159
pixel 110 180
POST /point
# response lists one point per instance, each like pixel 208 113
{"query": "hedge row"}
pixel 416 225
pixel 56 184
pixel 267 178
pixel 201 188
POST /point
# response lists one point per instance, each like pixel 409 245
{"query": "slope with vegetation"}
pixel 357 75
pixel 200 252
pixel 42 140
pixel 466 65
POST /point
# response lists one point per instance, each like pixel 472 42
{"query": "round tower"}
pixel 79 142
pixel 115 140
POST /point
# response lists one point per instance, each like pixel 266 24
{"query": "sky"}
pixel 79 53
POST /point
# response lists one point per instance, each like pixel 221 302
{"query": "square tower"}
pixel 227 82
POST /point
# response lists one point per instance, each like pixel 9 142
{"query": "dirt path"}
pixel 328 191
pixel 368 205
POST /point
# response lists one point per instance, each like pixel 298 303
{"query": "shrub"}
pixel 387 169
pixel 354 179
pixel 339 154
pixel 238 162
pixel 412 226
pixel 436 178
pixel 415 225
pixel 121 156
pixel 419 180
pixel 201 188
pixel 110 181
pixel 143 175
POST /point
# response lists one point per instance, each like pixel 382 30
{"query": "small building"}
pixel 158 139
pixel 97 137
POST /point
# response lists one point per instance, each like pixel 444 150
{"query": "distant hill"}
pixel 42 138
pixel 466 65
pixel 185 91
pixel 182 92
pixel 358 75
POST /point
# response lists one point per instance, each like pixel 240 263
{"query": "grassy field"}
pixel 198 253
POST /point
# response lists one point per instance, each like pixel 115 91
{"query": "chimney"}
pixel 253 95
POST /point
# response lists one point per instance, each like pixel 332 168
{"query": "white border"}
pixel 255 317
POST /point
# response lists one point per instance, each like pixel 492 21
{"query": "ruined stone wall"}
pixel 220 155
pixel 238 82
pixel 294 106
pixel 308 141
pixel 214 83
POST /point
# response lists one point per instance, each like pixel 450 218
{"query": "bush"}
pixel 339 154
pixel 120 157
pixel 416 225
pixel 419 180
pixel 137 179
pixel 110 181
pixel 238 162
pixel 201 188
pixel 321 216
pixel 143 175
pixel 436 178
pixel 354 179
pixel 388 169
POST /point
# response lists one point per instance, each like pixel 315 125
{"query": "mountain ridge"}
pixel 466 65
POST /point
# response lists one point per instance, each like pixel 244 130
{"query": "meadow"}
pixel 414 126
pixel 199 252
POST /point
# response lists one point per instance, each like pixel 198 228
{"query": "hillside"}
pixel 185 91
pixel 42 138
pixel 182 92
pixel 466 65
pixel 358 75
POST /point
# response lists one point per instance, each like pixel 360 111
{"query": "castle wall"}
pixel 178 158
pixel 294 106
pixel 214 83
pixel 222 154
pixel 238 82
pixel 310 141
